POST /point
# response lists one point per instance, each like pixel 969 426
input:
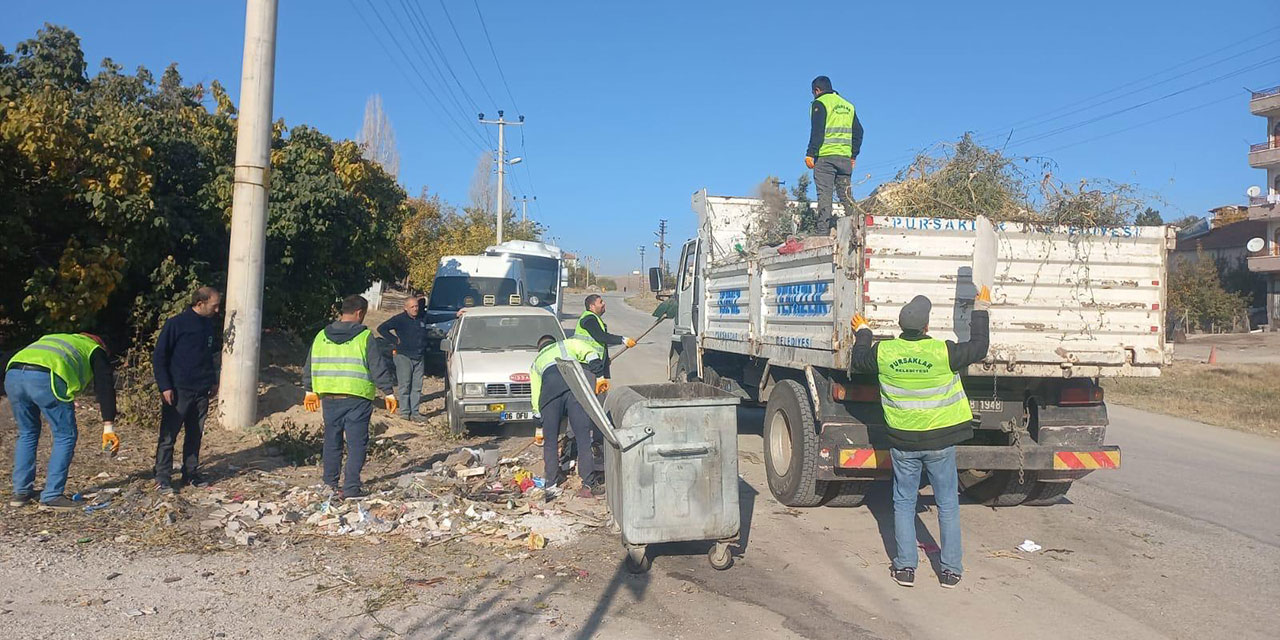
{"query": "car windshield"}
pixel 542 275
pixel 451 293
pixel 504 333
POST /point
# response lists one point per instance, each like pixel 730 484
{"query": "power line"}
pixel 424 51
pixel 1141 124
pixel 1139 89
pixel 1070 127
pixel 424 26
pixel 495 56
pixel 464 139
pixel 467 55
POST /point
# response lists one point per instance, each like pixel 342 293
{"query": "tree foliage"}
pixel 1149 218
pixel 1196 291
pixel 115 199
pixel 435 229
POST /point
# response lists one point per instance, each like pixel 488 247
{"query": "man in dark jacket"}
pixel 406 332
pixel 345 368
pixel 928 414
pixel 835 139
pixel 187 374
pixel 554 402
pixel 591 327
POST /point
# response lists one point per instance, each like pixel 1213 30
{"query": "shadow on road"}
pixel 880 504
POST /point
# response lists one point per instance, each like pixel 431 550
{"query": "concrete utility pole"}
pixel 524 206
pixel 242 329
pixel 662 251
pixel 502 160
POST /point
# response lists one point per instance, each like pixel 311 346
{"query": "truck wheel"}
pixel 850 493
pixel 997 488
pixel 791 447
pixel 1047 493
pixel 456 426
pixel 677 369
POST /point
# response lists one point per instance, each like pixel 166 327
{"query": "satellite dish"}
pixel 1254 191
pixel 1255 245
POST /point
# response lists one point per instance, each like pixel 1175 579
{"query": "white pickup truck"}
pixel 1070 306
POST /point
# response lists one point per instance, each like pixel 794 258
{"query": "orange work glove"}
pixel 602 385
pixel 983 301
pixel 629 342
pixel 859 322
pixel 391 402
pixel 110 441
pixel 808 161
pixel 311 402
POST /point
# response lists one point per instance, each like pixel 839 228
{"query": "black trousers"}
pixel 553 412
pixel 346 421
pixel 188 412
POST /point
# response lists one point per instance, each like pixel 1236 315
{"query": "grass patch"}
pixel 644 302
pixel 1237 396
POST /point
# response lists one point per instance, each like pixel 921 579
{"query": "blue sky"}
pixel 631 108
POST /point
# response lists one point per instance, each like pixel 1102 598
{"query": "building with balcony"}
pixel 1264 208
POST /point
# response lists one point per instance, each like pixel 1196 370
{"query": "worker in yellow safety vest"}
pixel 553 401
pixel 346 369
pixel 835 138
pixel 44 379
pixel 592 329
pixel 927 414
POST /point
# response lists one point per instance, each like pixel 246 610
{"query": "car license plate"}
pixel 986 406
pixel 517 415
pixel 497 407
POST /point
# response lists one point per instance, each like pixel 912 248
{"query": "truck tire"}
pixel 676 369
pixel 997 488
pixel 1047 493
pixel 791 447
pixel 850 493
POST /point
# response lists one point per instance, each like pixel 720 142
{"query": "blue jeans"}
pixel 30 394
pixel 941 466
pixel 346 422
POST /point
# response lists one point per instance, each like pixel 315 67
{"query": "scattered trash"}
pixel 537 542
pixel 1029 546
pixel 135 613
pixel 90 508
pixel 84 540
pixel 172 579
pixel 113 575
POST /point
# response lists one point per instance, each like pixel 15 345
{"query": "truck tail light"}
pixel 1080 393
pixel 855 392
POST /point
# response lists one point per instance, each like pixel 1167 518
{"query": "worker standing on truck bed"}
pixel 595 332
pixel 45 378
pixel 835 138
pixel 345 368
pixel 928 414
pixel 553 401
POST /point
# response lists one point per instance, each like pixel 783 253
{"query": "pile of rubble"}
pixel 473 494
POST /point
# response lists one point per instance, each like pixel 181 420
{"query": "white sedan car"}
pixel 489 351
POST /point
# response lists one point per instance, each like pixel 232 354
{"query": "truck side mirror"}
pixel 446 344
pixel 655 279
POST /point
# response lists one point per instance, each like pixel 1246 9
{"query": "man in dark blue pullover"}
pixel 406 332
pixel 186 372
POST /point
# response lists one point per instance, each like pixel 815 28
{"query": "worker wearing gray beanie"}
pixel 927 415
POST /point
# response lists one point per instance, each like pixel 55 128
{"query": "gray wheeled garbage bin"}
pixel 671 464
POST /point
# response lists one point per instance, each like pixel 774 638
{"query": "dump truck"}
pixel 1070 306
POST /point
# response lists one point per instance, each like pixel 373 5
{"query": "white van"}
pixel 470 281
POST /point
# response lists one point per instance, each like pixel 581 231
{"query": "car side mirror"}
pixel 446 344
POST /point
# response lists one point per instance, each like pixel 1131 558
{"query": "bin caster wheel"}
pixel 720 556
pixel 638 560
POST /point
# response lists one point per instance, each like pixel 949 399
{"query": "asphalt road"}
pixel 1182 542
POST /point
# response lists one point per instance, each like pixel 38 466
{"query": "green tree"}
pixel 808 216
pixel 1196 291
pixel 1149 218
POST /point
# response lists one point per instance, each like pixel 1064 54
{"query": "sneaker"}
pixel 905 577
pixel 20 500
pixel 597 489
pixel 949 579
pixel 195 480
pixel 60 503
pixel 164 488
pixel 352 494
